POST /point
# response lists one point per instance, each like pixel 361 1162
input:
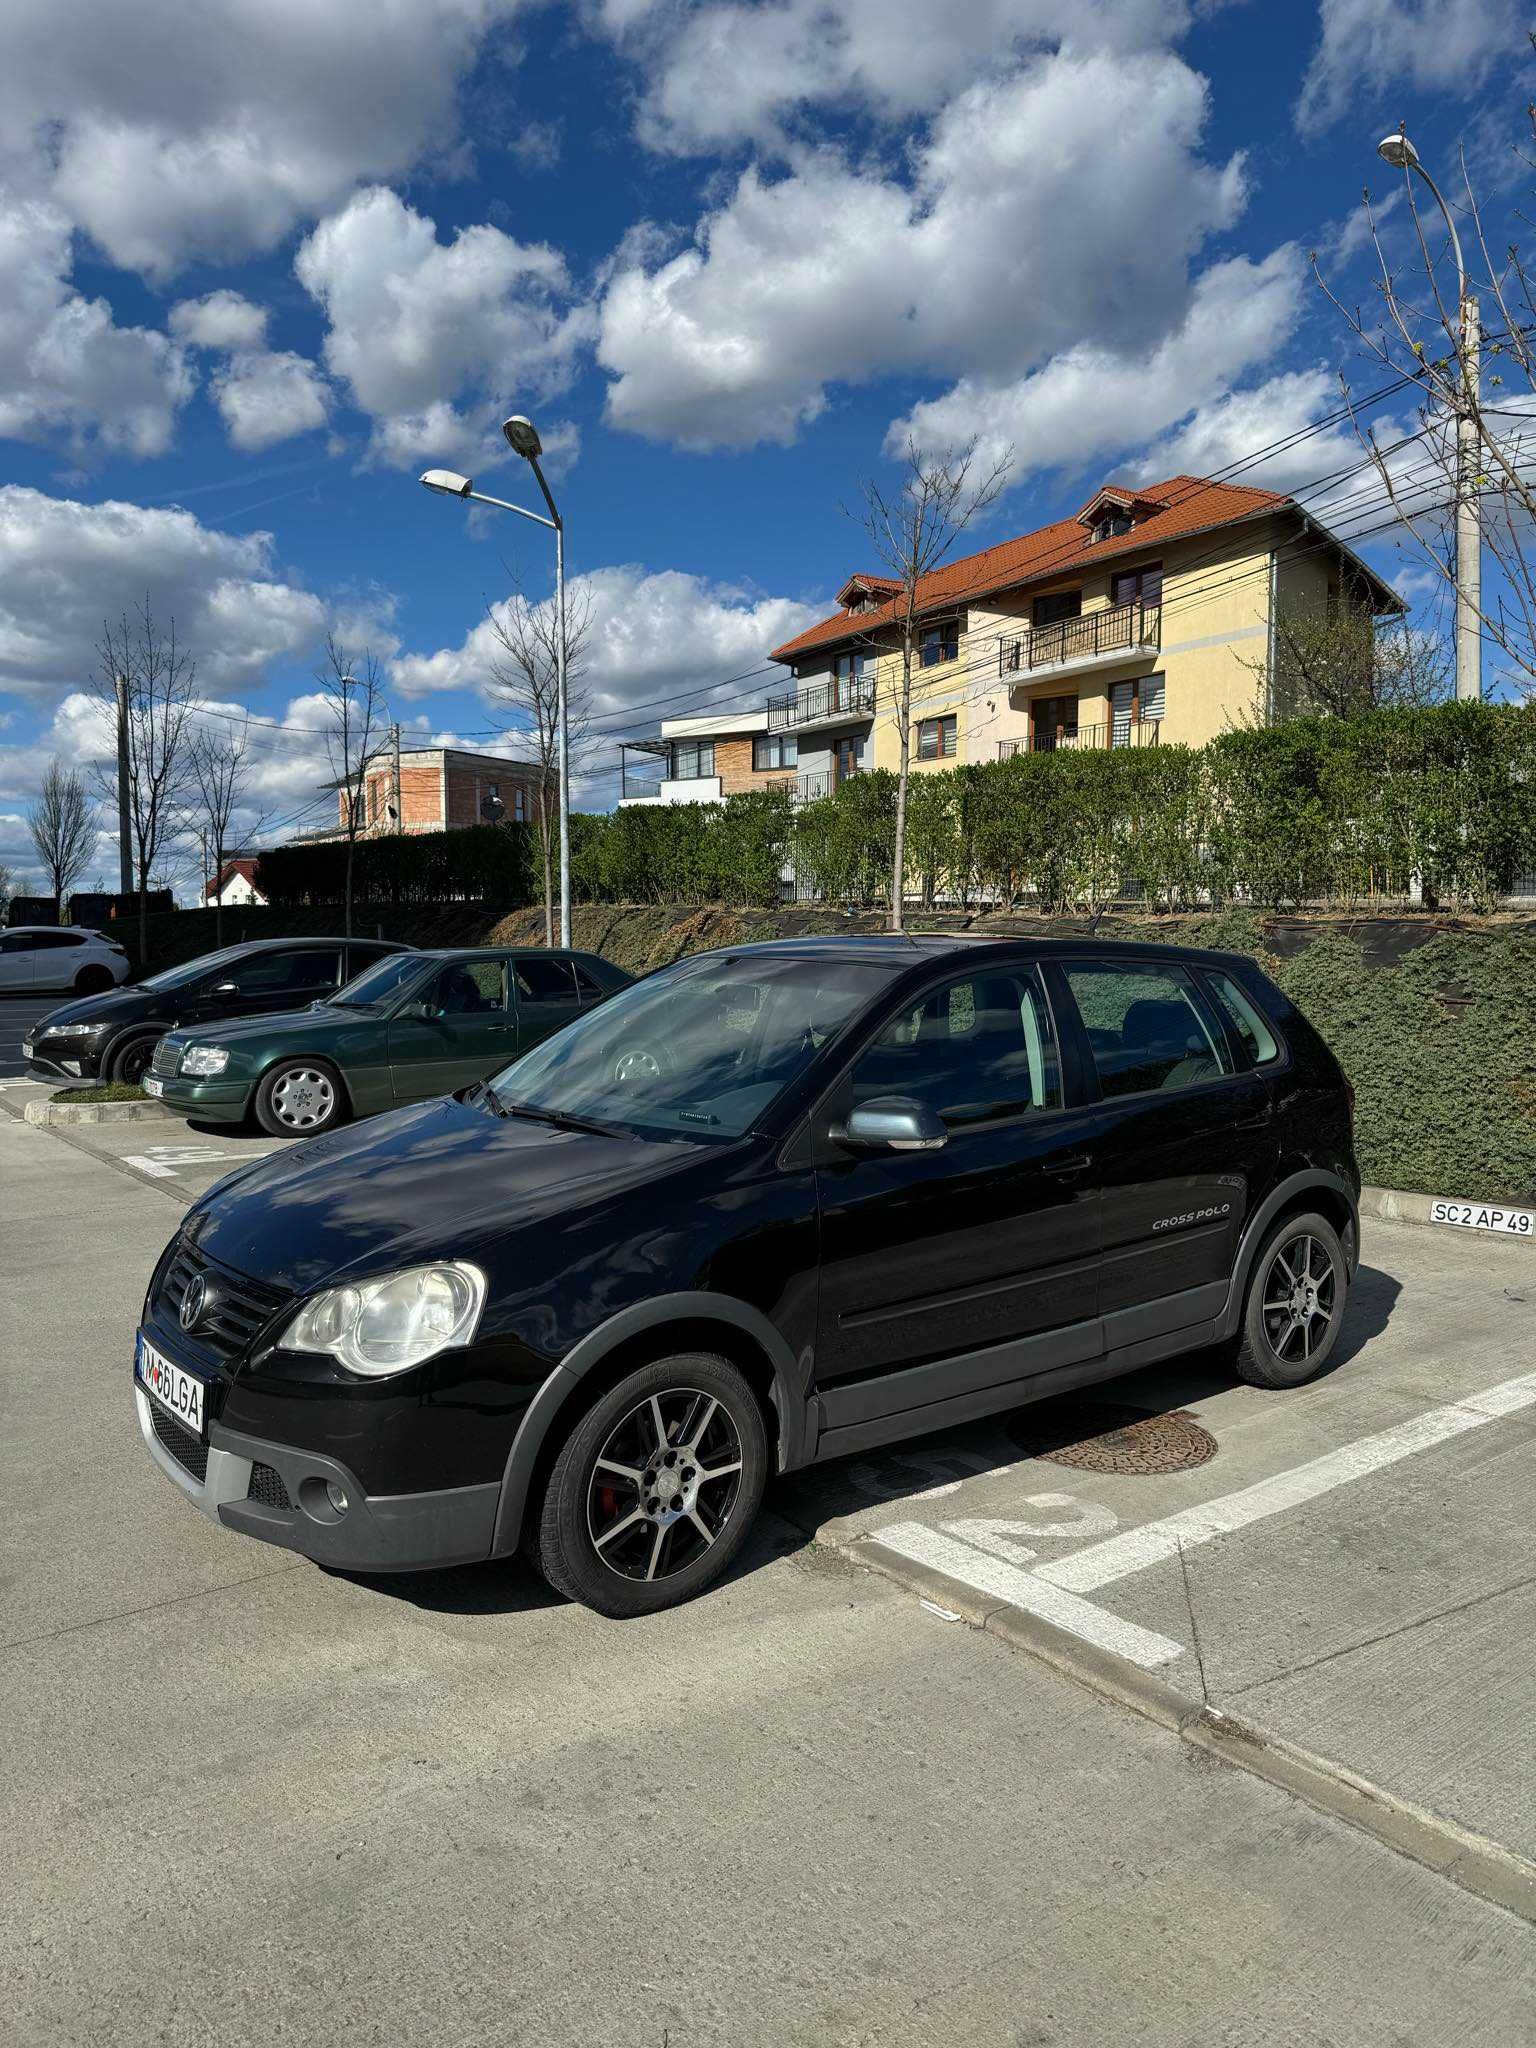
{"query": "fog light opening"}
pixel 337 1496
pixel 323 1500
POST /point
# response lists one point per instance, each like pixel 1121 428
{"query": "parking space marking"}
pixel 1119 1556
pixel 164 1162
pixel 1018 1588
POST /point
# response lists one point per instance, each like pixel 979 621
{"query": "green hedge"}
pixel 479 864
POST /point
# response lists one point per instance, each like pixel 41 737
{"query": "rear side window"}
pixel 543 979
pixel 1147 1026
pixel 974 1050
pixel 1243 1017
pixel 52 942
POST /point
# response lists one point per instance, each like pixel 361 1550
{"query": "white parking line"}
pixel 1118 1556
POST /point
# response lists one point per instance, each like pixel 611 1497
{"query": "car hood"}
pixel 325 1022
pixel 110 1006
pixel 435 1181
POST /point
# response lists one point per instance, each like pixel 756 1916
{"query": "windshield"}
pixel 701 1049
pixel 375 984
pixel 192 970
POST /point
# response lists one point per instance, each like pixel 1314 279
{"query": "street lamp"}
pixel 1400 153
pixel 523 439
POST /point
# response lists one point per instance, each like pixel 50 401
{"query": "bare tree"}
pixel 525 678
pixel 159 682
pixel 912 530
pixel 1336 661
pixel 221 769
pixel 353 689
pixel 1416 332
pixel 8 887
pixel 63 829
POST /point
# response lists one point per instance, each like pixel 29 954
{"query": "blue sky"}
pixel 252 281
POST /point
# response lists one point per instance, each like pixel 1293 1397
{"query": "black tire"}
pixel 649 1510
pixel 90 981
pixel 300 1098
pixel 1297 1295
pixel 130 1058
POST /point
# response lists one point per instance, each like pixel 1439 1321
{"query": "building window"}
pixel 1112 525
pixel 1134 704
pixel 1056 605
pixel 936 738
pixel 849 757
pixel 692 759
pixel 520 805
pixel 776 750
pixel 940 642
pixel 1127 585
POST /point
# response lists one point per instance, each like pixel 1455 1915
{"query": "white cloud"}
pixel 1433 45
pixel 171 138
pixel 267 396
pixel 67 370
pixel 720 74
pixel 221 319
pixel 1090 401
pixel 831 274
pixel 653 636
pixel 417 325
pixel 65 566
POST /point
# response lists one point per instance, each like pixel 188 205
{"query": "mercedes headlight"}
pixel 383 1326
pixel 204 1059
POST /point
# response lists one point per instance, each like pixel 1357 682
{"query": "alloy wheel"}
pixel 1300 1296
pixel 664 1484
pixel 303 1098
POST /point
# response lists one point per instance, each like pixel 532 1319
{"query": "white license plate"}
pixel 26 1048
pixel 179 1393
pixel 152 1086
pixel 1484 1216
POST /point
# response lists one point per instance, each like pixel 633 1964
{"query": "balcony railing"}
pixel 1134 628
pixel 1124 732
pixel 808 788
pixel 844 696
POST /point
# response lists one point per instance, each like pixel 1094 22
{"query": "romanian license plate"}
pixel 1484 1216
pixel 153 1087
pixel 179 1393
pixel 26 1048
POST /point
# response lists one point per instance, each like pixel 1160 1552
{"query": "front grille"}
pixel 238 1308
pixel 166 1060
pixel 188 1451
pixel 267 1487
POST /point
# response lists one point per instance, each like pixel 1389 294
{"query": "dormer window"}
pixel 1113 511
pixel 1112 525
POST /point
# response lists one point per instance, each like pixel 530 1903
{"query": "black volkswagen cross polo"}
pixel 767 1207
pixel 112 1037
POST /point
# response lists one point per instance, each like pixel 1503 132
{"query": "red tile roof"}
pixel 1192 504
pixel 241 864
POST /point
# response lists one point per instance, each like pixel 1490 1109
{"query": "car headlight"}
pixel 68 1030
pixel 383 1326
pixel 204 1059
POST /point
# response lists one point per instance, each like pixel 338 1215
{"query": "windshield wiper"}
pixel 558 1117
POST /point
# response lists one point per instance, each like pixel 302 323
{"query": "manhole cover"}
pixel 1098 1436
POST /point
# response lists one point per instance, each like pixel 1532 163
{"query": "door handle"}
pixel 1073 1164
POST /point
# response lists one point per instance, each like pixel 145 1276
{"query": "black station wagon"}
pixel 766 1207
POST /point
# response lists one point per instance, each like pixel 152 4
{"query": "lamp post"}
pixel 1400 153
pixel 523 439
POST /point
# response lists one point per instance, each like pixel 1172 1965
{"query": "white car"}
pixel 55 956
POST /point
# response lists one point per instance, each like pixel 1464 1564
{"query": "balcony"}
pixel 1129 732
pixel 838 702
pixel 1093 640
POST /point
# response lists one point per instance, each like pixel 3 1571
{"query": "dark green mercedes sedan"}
pixel 415 1025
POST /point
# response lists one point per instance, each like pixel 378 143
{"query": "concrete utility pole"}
pixel 399 800
pixel 1398 151
pixel 124 825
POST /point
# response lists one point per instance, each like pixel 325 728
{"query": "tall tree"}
pixel 525 678
pixel 62 824
pixel 159 685
pixel 353 690
pixel 1339 661
pixel 912 529
pixel 221 771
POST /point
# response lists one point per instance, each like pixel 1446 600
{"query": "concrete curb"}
pixel 55 1111
pixel 1406 1205
pixel 1473 1861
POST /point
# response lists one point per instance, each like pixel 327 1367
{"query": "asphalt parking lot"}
pixel 17 1016
pixel 250 1796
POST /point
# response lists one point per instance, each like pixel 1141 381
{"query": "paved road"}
pixel 248 1799
pixel 17 1016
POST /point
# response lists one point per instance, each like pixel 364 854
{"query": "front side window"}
pixel 940 642
pixel 1147 1026
pixel 775 750
pixel 977 1049
pixel 275 973
pixel 702 1049
pixel 1244 1018
pixel 692 759
pixel 936 739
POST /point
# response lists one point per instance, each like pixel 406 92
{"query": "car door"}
pixel 457 1029
pixel 18 961
pixel 947 1275
pixel 263 983
pixel 56 959
pixel 1181 1137
pixel 546 995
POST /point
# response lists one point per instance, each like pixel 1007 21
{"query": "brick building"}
pixel 443 789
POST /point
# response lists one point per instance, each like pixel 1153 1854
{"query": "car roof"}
pixel 912 947
pixel 316 939
pixel 499 952
pixel 85 931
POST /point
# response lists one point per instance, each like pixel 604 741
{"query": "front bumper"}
pixel 63 1059
pixel 278 1495
pixel 215 1101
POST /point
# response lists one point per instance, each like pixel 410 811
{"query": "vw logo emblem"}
pixel 193 1302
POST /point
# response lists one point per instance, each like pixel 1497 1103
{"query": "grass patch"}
pixel 103 1091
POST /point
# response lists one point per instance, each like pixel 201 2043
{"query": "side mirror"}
pixel 414 1008
pixel 894 1123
